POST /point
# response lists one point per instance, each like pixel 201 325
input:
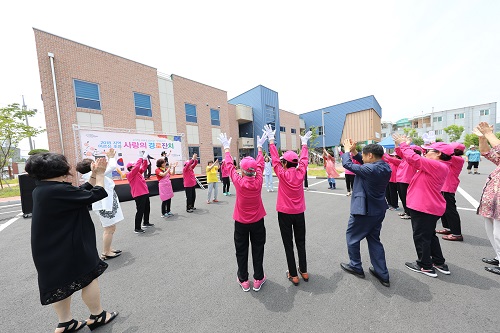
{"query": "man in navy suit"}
pixel 368 207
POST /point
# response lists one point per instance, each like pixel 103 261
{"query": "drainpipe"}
pixel 51 56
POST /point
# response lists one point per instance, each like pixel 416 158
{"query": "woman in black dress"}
pixel 63 241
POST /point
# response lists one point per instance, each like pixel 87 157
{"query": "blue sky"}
pixel 412 55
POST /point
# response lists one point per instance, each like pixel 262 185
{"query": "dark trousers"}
pixel 256 232
pixel 391 194
pixel 358 228
pixel 402 190
pixel 451 219
pixel 225 184
pixel 472 164
pixel 294 225
pixel 147 173
pixel 349 182
pixel 190 196
pixel 143 207
pixel 306 182
pixel 165 206
pixel 425 239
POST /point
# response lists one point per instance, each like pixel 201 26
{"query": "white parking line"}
pixel 13 211
pixel 468 197
pixel 322 181
pixel 9 222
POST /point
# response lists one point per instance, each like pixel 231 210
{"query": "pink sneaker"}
pixel 245 285
pixel 257 284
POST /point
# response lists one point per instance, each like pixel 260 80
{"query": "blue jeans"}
pixel 269 181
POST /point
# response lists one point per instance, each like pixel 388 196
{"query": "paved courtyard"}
pixel 181 275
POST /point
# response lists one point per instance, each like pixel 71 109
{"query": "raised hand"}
pixel 111 153
pixel 261 140
pixel 226 143
pixel 305 138
pixel 398 138
pixel 99 166
pixel 484 128
pixel 347 145
pixel 269 132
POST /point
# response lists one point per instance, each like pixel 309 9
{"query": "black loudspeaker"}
pixel 26 187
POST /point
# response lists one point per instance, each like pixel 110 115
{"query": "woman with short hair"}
pixel 63 241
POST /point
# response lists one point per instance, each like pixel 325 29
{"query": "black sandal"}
pixel 77 325
pixel 105 257
pixel 117 251
pixel 100 319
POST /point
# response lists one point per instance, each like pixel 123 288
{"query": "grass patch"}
pixel 7 192
pixel 10 181
pixel 316 172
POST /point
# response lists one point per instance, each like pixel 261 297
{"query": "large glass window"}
pixel 142 105
pixel 484 112
pixel 214 117
pixel 459 115
pixel 282 129
pixel 293 130
pixel 437 119
pixel 191 113
pixel 218 153
pixel 193 150
pixel 87 95
pixel 270 115
pixel 320 130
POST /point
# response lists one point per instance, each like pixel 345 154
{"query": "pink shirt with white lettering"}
pixel 452 181
pixel 290 189
pixel 248 207
pixel 189 178
pixel 137 183
pixel 424 193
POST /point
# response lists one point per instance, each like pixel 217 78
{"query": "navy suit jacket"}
pixel 368 194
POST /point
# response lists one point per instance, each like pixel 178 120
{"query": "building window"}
pixel 437 119
pixel 218 153
pixel 438 132
pixel 384 135
pixel 459 115
pixel 142 105
pixel 270 115
pixel 191 113
pixel 193 150
pixel 282 129
pixel 484 112
pixel 214 116
pixel 320 130
pixel 87 95
pixel 293 130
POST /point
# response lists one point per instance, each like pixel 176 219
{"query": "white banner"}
pixel 129 147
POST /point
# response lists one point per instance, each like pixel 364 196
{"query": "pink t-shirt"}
pixel 452 181
pixel 424 193
pixel 137 183
pixel 248 207
pixel 393 163
pixel 330 167
pixel 189 178
pixel 405 171
pixel 290 189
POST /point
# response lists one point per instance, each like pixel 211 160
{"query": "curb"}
pixel 12 201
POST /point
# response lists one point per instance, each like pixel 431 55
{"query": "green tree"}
pixel 454 132
pixel 37 151
pixel 417 141
pixel 312 141
pixel 12 130
pixel 471 139
pixel 410 132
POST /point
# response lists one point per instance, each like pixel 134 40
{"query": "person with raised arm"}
pixel 433 168
pixel 291 204
pixel 163 172
pixel 189 180
pixel 140 192
pixel 108 209
pixel 489 206
pixel 368 208
pixel 248 213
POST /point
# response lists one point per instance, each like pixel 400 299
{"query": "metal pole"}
pixel 27 124
pixel 51 56
pixel 323 126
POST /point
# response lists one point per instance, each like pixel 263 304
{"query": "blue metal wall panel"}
pixel 259 98
pixel 335 119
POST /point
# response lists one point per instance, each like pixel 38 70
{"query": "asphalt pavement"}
pixel 180 276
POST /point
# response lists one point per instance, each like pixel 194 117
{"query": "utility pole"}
pixel 27 124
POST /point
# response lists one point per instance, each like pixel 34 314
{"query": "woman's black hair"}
pixel 418 152
pixel 444 157
pixel 47 165
pixel 159 162
pixel 458 152
pixel 83 166
pixel 289 164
